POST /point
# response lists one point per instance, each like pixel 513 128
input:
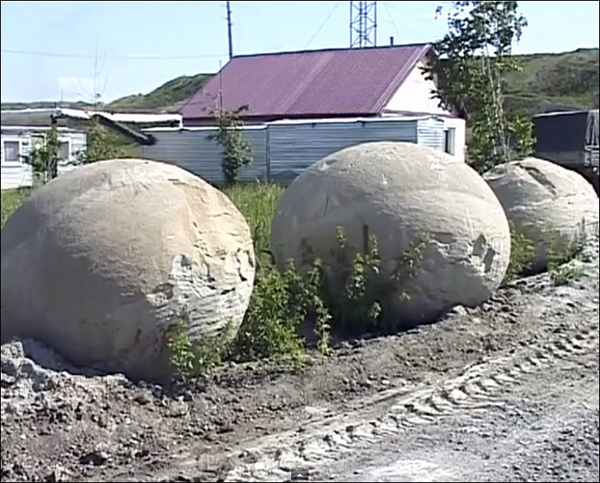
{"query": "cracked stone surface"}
pixel 98 263
pixel 555 207
pixel 394 191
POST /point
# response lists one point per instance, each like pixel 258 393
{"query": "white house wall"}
pixel 460 144
pixel 415 95
pixel 16 175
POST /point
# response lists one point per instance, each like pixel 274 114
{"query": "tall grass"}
pixel 257 202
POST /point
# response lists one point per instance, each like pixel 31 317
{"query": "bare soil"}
pixel 259 421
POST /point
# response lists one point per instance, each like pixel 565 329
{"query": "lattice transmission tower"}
pixel 363 24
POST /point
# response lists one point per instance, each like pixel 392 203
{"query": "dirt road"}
pixel 504 392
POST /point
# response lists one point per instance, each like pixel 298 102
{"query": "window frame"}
pixel 12 139
pixel 450 141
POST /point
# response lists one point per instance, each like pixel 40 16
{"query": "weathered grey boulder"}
pixel 399 190
pixel 99 262
pixel 553 206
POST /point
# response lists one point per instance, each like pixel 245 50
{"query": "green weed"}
pixel 522 252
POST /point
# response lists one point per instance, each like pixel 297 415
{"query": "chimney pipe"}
pixel 391 41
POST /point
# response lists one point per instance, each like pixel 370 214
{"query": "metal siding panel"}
pixel 431 133
pixel 15 176
pixel 294 147
pixel 194 152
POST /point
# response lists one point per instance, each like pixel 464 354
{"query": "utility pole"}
pixel 229 30
pixel 363 24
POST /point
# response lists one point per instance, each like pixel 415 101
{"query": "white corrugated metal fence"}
pixel 283 149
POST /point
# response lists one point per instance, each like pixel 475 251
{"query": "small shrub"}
pixel 285 305
pixel 565 273
pixel 359 299
pixel 101 145
pixel 522 251
pixel 237 152
pixel 351 289
pixel 192 359
pixel 560 253
pixel 281 303
pixel 44 156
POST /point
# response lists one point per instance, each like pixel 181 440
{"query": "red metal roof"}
pixel 311 83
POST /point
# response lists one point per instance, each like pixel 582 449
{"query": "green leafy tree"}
pixel 520 136
pixel 101 144
pixel 236 150
pixel 470 70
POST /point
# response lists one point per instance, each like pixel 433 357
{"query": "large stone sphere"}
pixel 102 262
pixel 399 192
pixel 553 206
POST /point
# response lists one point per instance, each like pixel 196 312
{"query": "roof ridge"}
pixel 331 49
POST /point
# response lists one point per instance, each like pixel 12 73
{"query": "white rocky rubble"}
pixel 399 192
pixel 100 263
pixel 553 206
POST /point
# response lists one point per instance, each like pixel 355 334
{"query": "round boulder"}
pixel 101 263
pixel 553 206
pixel 402 194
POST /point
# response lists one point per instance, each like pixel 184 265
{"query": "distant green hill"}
pixel 551 82
pixel 169 97
pixel 547 82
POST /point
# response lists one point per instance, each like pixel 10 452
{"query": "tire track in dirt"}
pixel 480 387
pixel 565 332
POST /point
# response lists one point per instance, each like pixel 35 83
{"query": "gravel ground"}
pixel 504 392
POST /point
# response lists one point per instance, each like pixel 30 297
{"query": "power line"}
pixel 395 5
pixel 323 24
pixel 387 11
pixel 116 57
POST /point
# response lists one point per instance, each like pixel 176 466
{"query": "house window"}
pixel 11 151
pixel 450 140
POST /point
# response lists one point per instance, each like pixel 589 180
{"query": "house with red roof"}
pixel 302 106
pixel 320 84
